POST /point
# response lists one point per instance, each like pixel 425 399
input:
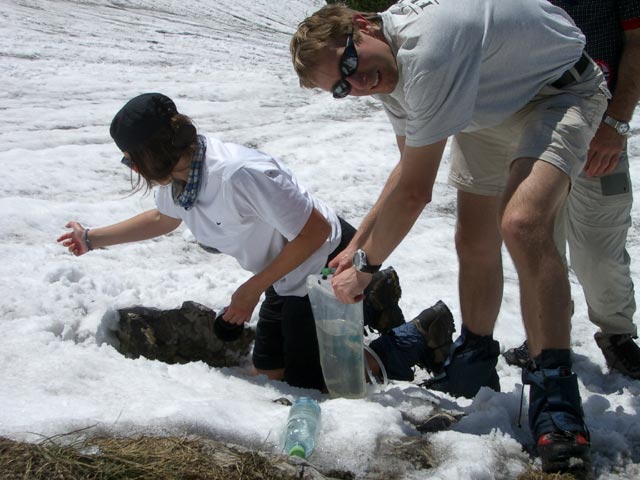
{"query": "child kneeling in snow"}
pixel 246 204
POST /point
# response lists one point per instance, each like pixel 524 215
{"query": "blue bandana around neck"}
pixel 188 196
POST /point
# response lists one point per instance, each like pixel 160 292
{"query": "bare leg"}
pixel 371 363
pixel 480 278
pixel 534 195
pixel 277 374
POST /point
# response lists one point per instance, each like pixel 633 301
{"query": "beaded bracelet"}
pixel 86 239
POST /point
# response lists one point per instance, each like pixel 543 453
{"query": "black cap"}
pixel 140 118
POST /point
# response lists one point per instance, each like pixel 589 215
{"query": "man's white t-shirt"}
pixel 249 206
pixel 470 64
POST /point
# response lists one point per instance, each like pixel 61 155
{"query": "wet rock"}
pixel 181 335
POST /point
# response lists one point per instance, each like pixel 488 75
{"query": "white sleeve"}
pixel 397 116
pixel 164 202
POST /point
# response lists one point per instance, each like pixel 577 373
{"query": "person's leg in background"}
pixel 599 217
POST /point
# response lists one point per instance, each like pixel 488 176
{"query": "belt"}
pixel 574 73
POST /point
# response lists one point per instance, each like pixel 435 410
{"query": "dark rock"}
pixel 178 336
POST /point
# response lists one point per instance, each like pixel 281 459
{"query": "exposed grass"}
pixel 70 457
pixel 148 458
pixel 532 474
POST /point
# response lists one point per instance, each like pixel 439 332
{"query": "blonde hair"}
pixel 325 28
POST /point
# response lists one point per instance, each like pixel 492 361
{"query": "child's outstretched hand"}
pixel 74 240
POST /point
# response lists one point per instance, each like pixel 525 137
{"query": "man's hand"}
pixel 243 303
pixel 349 285
pixel 344 260
pixel 604 151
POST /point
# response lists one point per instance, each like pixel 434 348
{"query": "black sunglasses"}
pixel 348 66
pixel 125 161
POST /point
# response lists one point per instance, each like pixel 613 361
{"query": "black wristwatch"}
pixel 621 127
pixel 360 263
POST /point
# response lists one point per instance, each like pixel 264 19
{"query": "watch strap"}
pixel 621 127
pixel 370 268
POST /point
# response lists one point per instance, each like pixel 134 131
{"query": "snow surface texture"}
pixel 66 67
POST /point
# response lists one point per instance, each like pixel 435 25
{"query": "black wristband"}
pixel 85 237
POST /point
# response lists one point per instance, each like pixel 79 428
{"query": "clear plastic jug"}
pixel 339 328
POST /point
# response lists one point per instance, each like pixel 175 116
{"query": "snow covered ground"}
pixel 65 68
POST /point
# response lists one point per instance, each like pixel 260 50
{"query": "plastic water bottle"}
pixel 303 425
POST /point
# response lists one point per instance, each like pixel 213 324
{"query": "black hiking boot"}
pixel 424 341
pixel 518 356
pixel 565 452
pixel 381 311
pixel 471 365
pixel 556 418
pixel 621 353
pixel 435 324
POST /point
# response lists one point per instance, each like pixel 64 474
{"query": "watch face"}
pixel 623 128
pixel 359 260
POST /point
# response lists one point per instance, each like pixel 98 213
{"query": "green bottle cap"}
pixel 297 451
pixel 328 271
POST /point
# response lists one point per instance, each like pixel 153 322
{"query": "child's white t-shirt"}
pixel 249 206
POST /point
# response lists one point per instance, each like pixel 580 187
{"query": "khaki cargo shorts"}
pixel 556 127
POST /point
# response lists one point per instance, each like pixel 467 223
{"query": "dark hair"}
pixel 158 156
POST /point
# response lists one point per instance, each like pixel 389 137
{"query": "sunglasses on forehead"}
pixel 348 66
